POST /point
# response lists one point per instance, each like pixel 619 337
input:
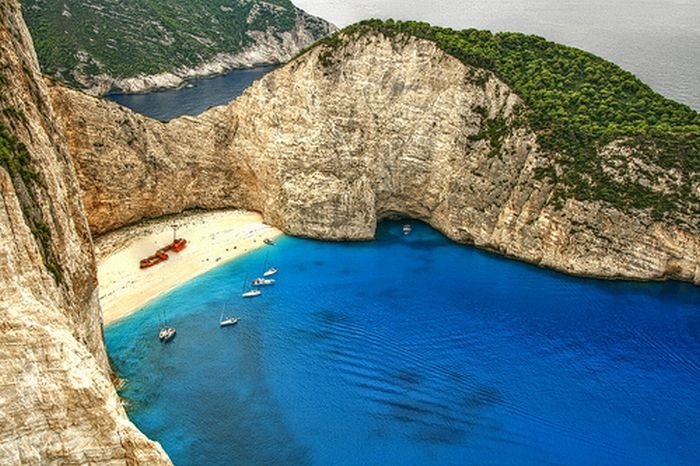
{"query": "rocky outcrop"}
pixel 57 401
pixel 343 137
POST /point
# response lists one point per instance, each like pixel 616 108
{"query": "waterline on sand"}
pixel 214 238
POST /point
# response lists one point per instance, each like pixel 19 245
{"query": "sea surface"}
pixel 193 99
pixel 413 350
pixel 657 40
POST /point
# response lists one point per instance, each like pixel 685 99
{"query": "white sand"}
pixel 213 238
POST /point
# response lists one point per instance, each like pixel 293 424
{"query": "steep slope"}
pixel 132 46
pixel 57 401
pixel 369 125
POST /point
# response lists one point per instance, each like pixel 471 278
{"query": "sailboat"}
pixel 263 281
pixel 231 320
pixel 166 333
pixel 250 293
pixel 269 271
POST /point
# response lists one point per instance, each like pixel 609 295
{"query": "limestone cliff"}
pixel 57 401
pixel 345 136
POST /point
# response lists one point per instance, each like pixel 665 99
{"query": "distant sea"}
pixel 413 350
pixel 657 40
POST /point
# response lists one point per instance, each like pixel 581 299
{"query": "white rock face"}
pixel 339 139
pixel 57 401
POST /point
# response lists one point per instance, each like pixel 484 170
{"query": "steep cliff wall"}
pixel 344 136
pixel 57 402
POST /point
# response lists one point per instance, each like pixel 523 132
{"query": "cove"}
pixel 415 350
pixel 199 95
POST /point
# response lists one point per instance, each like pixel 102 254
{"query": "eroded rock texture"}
pixel 338 139
pixel 57 401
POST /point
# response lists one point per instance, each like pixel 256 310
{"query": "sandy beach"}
pixel 213 239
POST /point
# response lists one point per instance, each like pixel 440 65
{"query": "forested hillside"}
pixel 124 38
pixel 578 103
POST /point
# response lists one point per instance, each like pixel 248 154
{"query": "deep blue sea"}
pixel 199 95
pixel 414 350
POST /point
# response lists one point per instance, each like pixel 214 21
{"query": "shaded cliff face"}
pixel 57 400
pixel 340 138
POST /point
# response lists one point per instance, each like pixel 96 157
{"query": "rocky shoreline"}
pixel 268 48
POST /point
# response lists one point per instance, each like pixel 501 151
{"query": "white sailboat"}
pixel 269 270
pixel 166 332
pixel 250 293
pixel 263 281
pixel 231 320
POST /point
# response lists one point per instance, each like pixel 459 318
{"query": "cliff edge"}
pixel 57 401
pixel 374 125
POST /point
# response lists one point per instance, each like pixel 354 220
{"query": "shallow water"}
pixel 415 350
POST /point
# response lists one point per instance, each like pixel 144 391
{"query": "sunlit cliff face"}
pixel 339 138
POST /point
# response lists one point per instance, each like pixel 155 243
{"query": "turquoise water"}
pixel 415 350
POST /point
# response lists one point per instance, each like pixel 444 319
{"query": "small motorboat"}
pixel 263 281
pixel 407 229
pixel 269 272
pixel 229 321
pixel 251 293
pixel 268 241
pixel 166 334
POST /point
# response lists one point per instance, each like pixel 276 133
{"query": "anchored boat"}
pixel 166 334
pixel 161 255
pixel 251 293
pixel 263 281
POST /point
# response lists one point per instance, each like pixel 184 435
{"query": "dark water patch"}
pixel 196 97
pixel 483 397
pixel 407 377
pixel 331 317
pixel 440 435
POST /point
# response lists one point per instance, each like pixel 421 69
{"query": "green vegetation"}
pixel 123 38
pixel 576 103
pixel 16 160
